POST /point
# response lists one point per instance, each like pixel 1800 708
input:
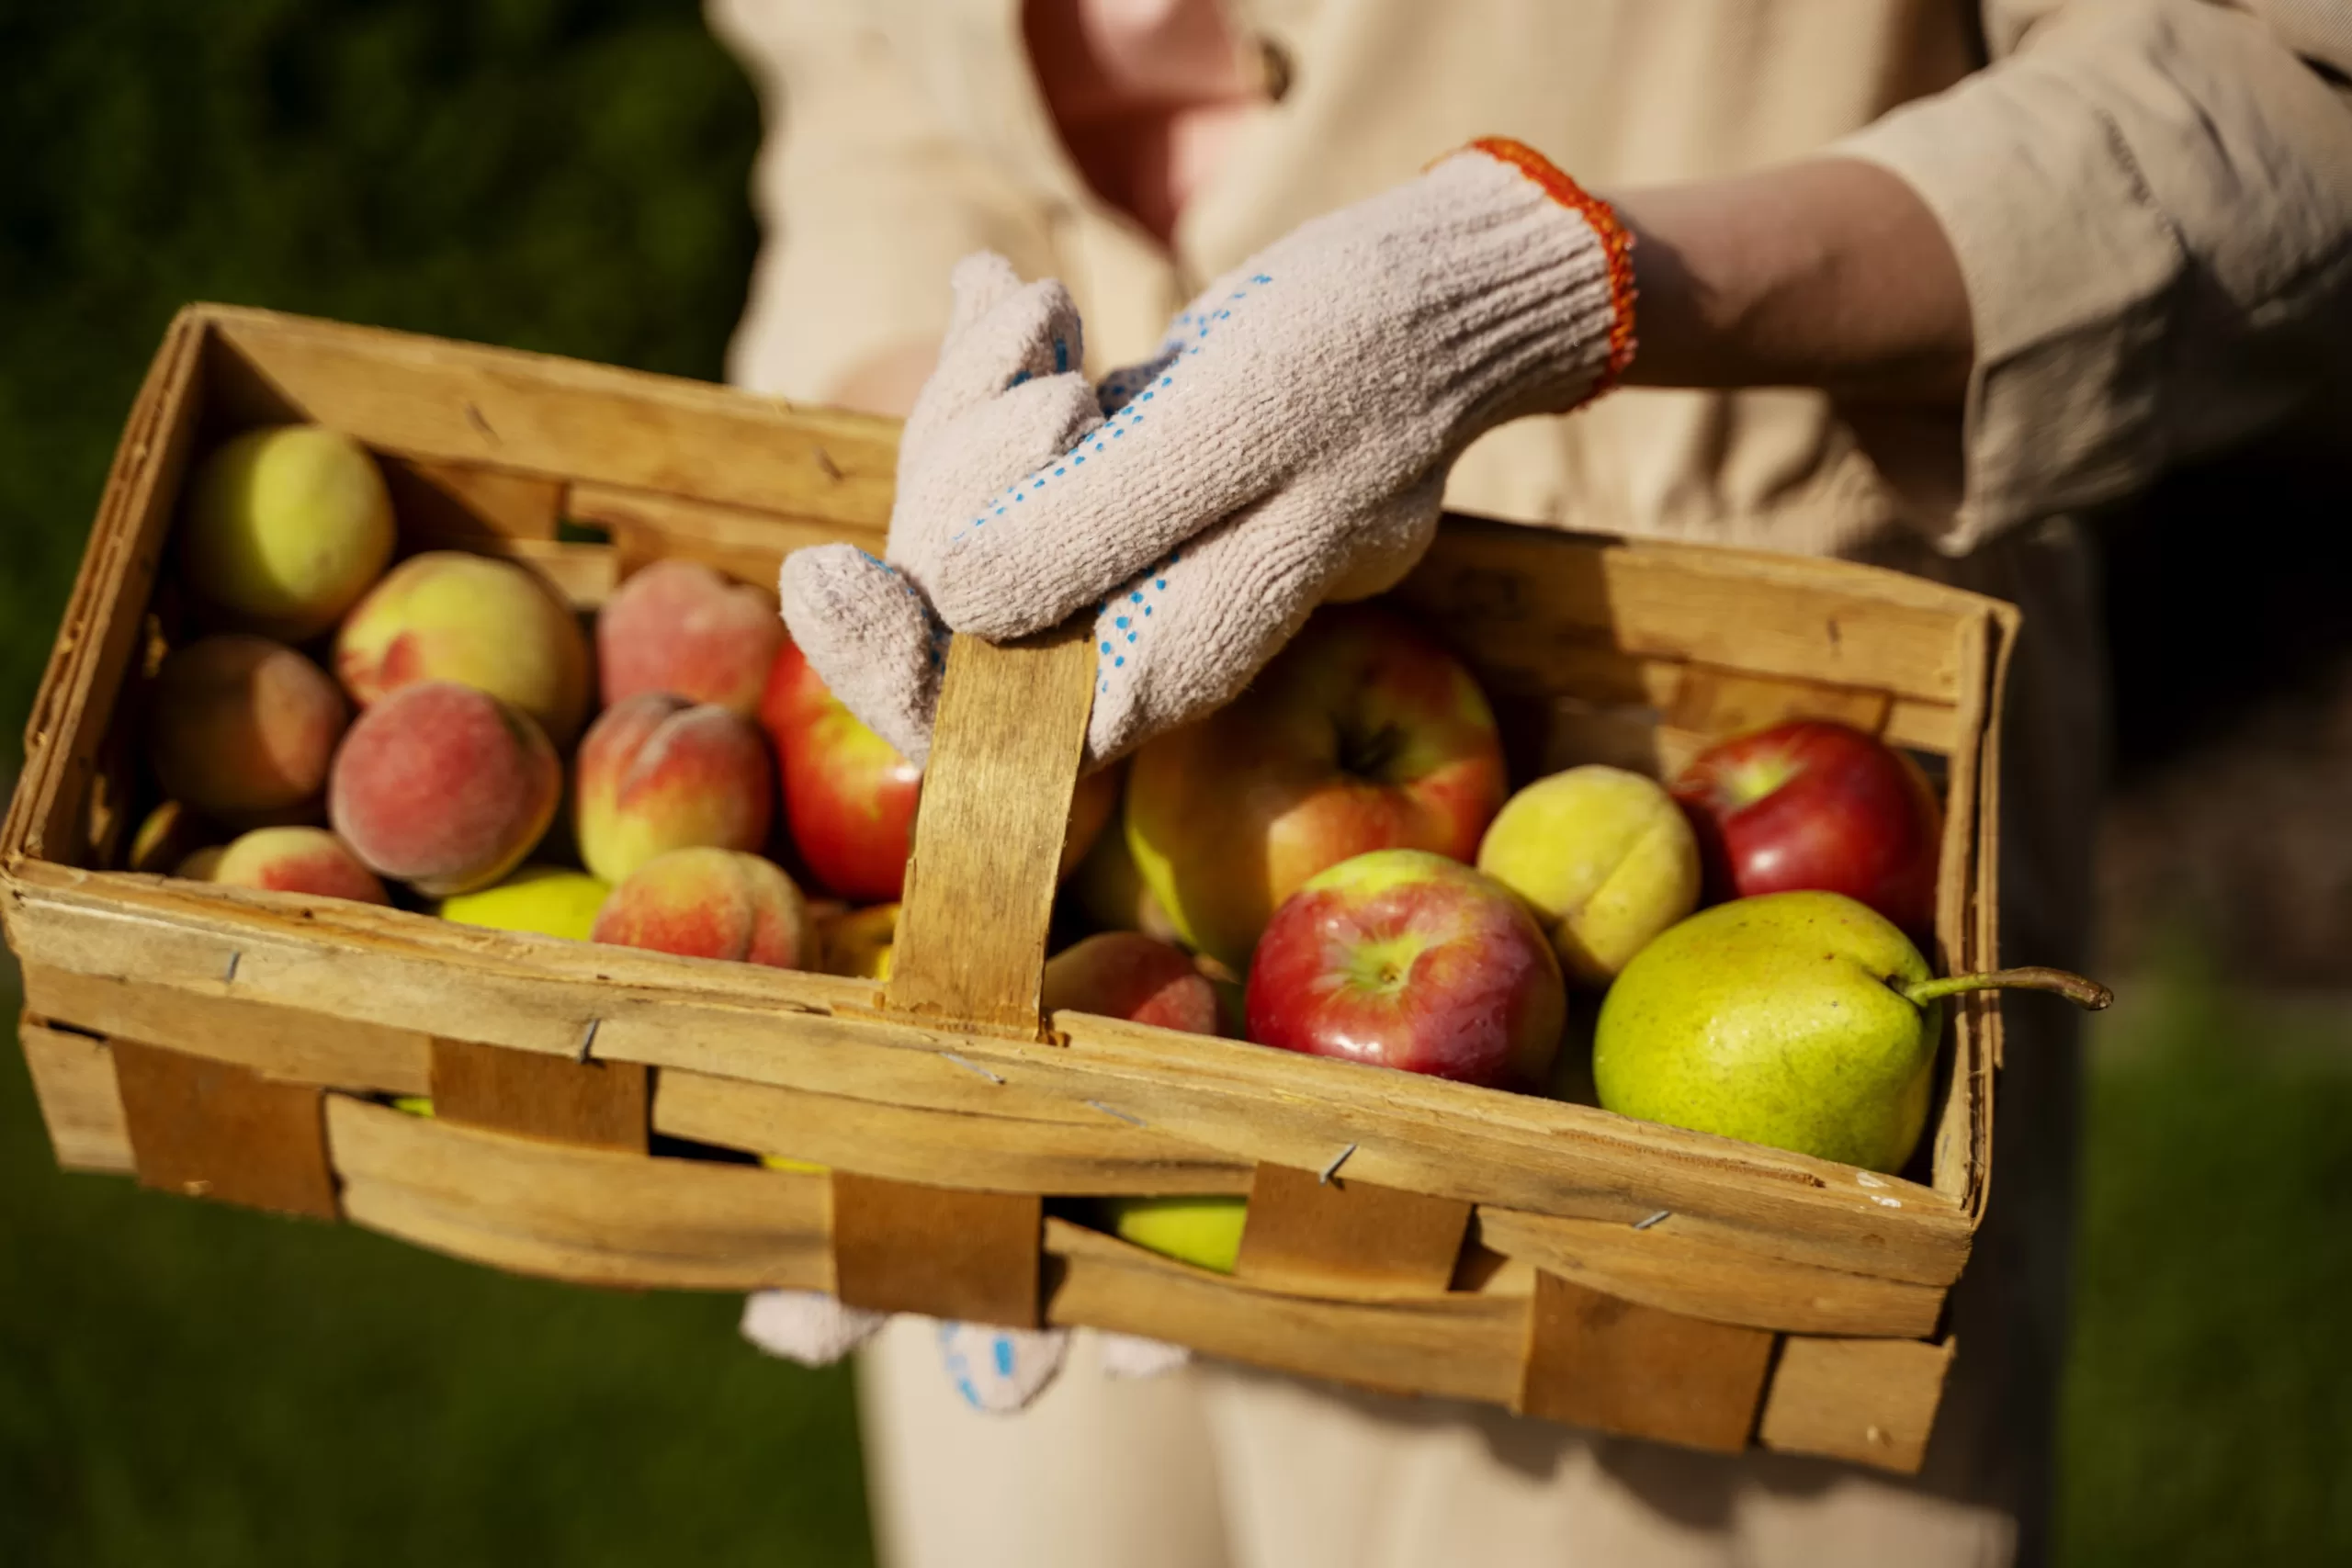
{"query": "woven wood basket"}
pixel 1476 1244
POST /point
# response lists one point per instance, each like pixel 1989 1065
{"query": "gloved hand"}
pixel 1288 443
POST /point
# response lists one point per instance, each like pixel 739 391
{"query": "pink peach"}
pixel 242 728
pixel 711 903
pixel 444 787
pixel 298 860
pixel 448 616
pixel 657 773
pixel 1124 975
pixel 678 627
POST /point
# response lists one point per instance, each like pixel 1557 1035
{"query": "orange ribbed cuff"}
pixel 1616 242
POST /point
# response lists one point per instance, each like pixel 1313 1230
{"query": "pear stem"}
pixel 2088 995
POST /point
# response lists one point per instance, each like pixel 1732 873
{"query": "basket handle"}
pixel 1006 745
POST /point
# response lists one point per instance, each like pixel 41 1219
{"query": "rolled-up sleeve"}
pixel 866 199
pixel 2151 204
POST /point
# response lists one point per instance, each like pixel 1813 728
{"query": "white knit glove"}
pixel 1289 443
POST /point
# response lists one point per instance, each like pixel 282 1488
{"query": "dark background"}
pixel 201 1386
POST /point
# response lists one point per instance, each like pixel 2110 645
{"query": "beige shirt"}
pixel 2150 201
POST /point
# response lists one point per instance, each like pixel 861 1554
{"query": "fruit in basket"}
pixel 680 627
pixel 296 860
pixel 547 899
pixel 284 528
pixel 1801 1020
pixel 242 729
pixel 1817 804
pixel 448 616
pixel 1091 806
pixel 1406 959
pixel 1204 1231
pixel 1363 734
pixel 849 796
pixel 165 837
pixel 444 787
pixel 1111 890
pixel 705 902
pixel 657 772
pixel 1604 857
pixel 1126 975
pixel 858 942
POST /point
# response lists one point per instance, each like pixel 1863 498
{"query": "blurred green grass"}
pixel 191 1384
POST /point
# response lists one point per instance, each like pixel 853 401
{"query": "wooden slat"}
pixel 1716 704
pixel 1872 1401
pixel 940 1148
pixel 574 1213
pixel 465 507
pixel 1595 1360
pixel 532 413
pixel 987 836
pixel 968 1257
pixel 745 544
pixel 1661 1265
pixel 276 1040
pixel 74 1078
pixel 1962 1149
pixel 583 575
pixel 212 1130
pixel 600 1105
pixel 1348 1236
pixel 1462 1345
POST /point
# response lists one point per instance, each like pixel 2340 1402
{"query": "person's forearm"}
pixel 1827 273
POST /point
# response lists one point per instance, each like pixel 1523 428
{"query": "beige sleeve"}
pixel 2150 201
pixel 865 196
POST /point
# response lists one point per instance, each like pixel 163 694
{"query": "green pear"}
pixel 1801 1020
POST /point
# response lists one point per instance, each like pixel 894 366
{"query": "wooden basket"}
pixel 1535 1254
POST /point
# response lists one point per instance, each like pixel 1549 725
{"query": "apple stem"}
pixel 2088 995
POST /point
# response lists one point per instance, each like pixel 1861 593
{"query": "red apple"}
pixel 849 796
pixel 1406 959
pixel 1126 975
pixel 1814 805
pixel 1363 734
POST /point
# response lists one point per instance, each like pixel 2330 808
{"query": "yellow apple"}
pixel 1605 858
pixel 285 527
pixel 1204 1231
pixel 543 898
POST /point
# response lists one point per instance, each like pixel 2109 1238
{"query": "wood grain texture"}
pixel 1663 1266
pixel 583 575
pixel 1348 1236
pixel 276 1040
pixel 212 1130
pixel 743 543
pixel 1716 704
pixel 601 1105
pixel 1872 1401
pixel 443 506
pixel 968 1256
pixel 938 1148
pixel 1595 1360
pixel 996 794
pixel 74 1080
pixel 592 1215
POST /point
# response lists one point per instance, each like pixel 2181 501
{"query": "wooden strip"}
pixel 1961 1151
pixel 938 1148
pixel 74 1078
pixel 1661 1265
pixel 212 1130
pixel 1462 1345
pixel 578 1213
pixel 597 1104
pixel 275 1040
pixel 745 544
pixel 1718 704
pixel 969 1257
pixel 584 575
pixel 464 506
pixel 988 837
pixel 1872 1401
pixel 1347 1237
pixel 1597 1362
pixel 536 414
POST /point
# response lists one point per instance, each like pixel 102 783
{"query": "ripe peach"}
pixel 711 903
pixel 657 772
pixel 858 942
pixel 242 728
pixel 447 615
pixel 444 787
pixel 1124 975
pixel 680 627
pixel 284 528
pixel 298 860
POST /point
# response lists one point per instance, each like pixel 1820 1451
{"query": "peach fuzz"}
pixel 444 787
pixel 297 859
pixel 285 526
pixel 242 729
pixel 678 627
pixel 711 903
pixel 1126 975
pixel 489 624
pixel 657 773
